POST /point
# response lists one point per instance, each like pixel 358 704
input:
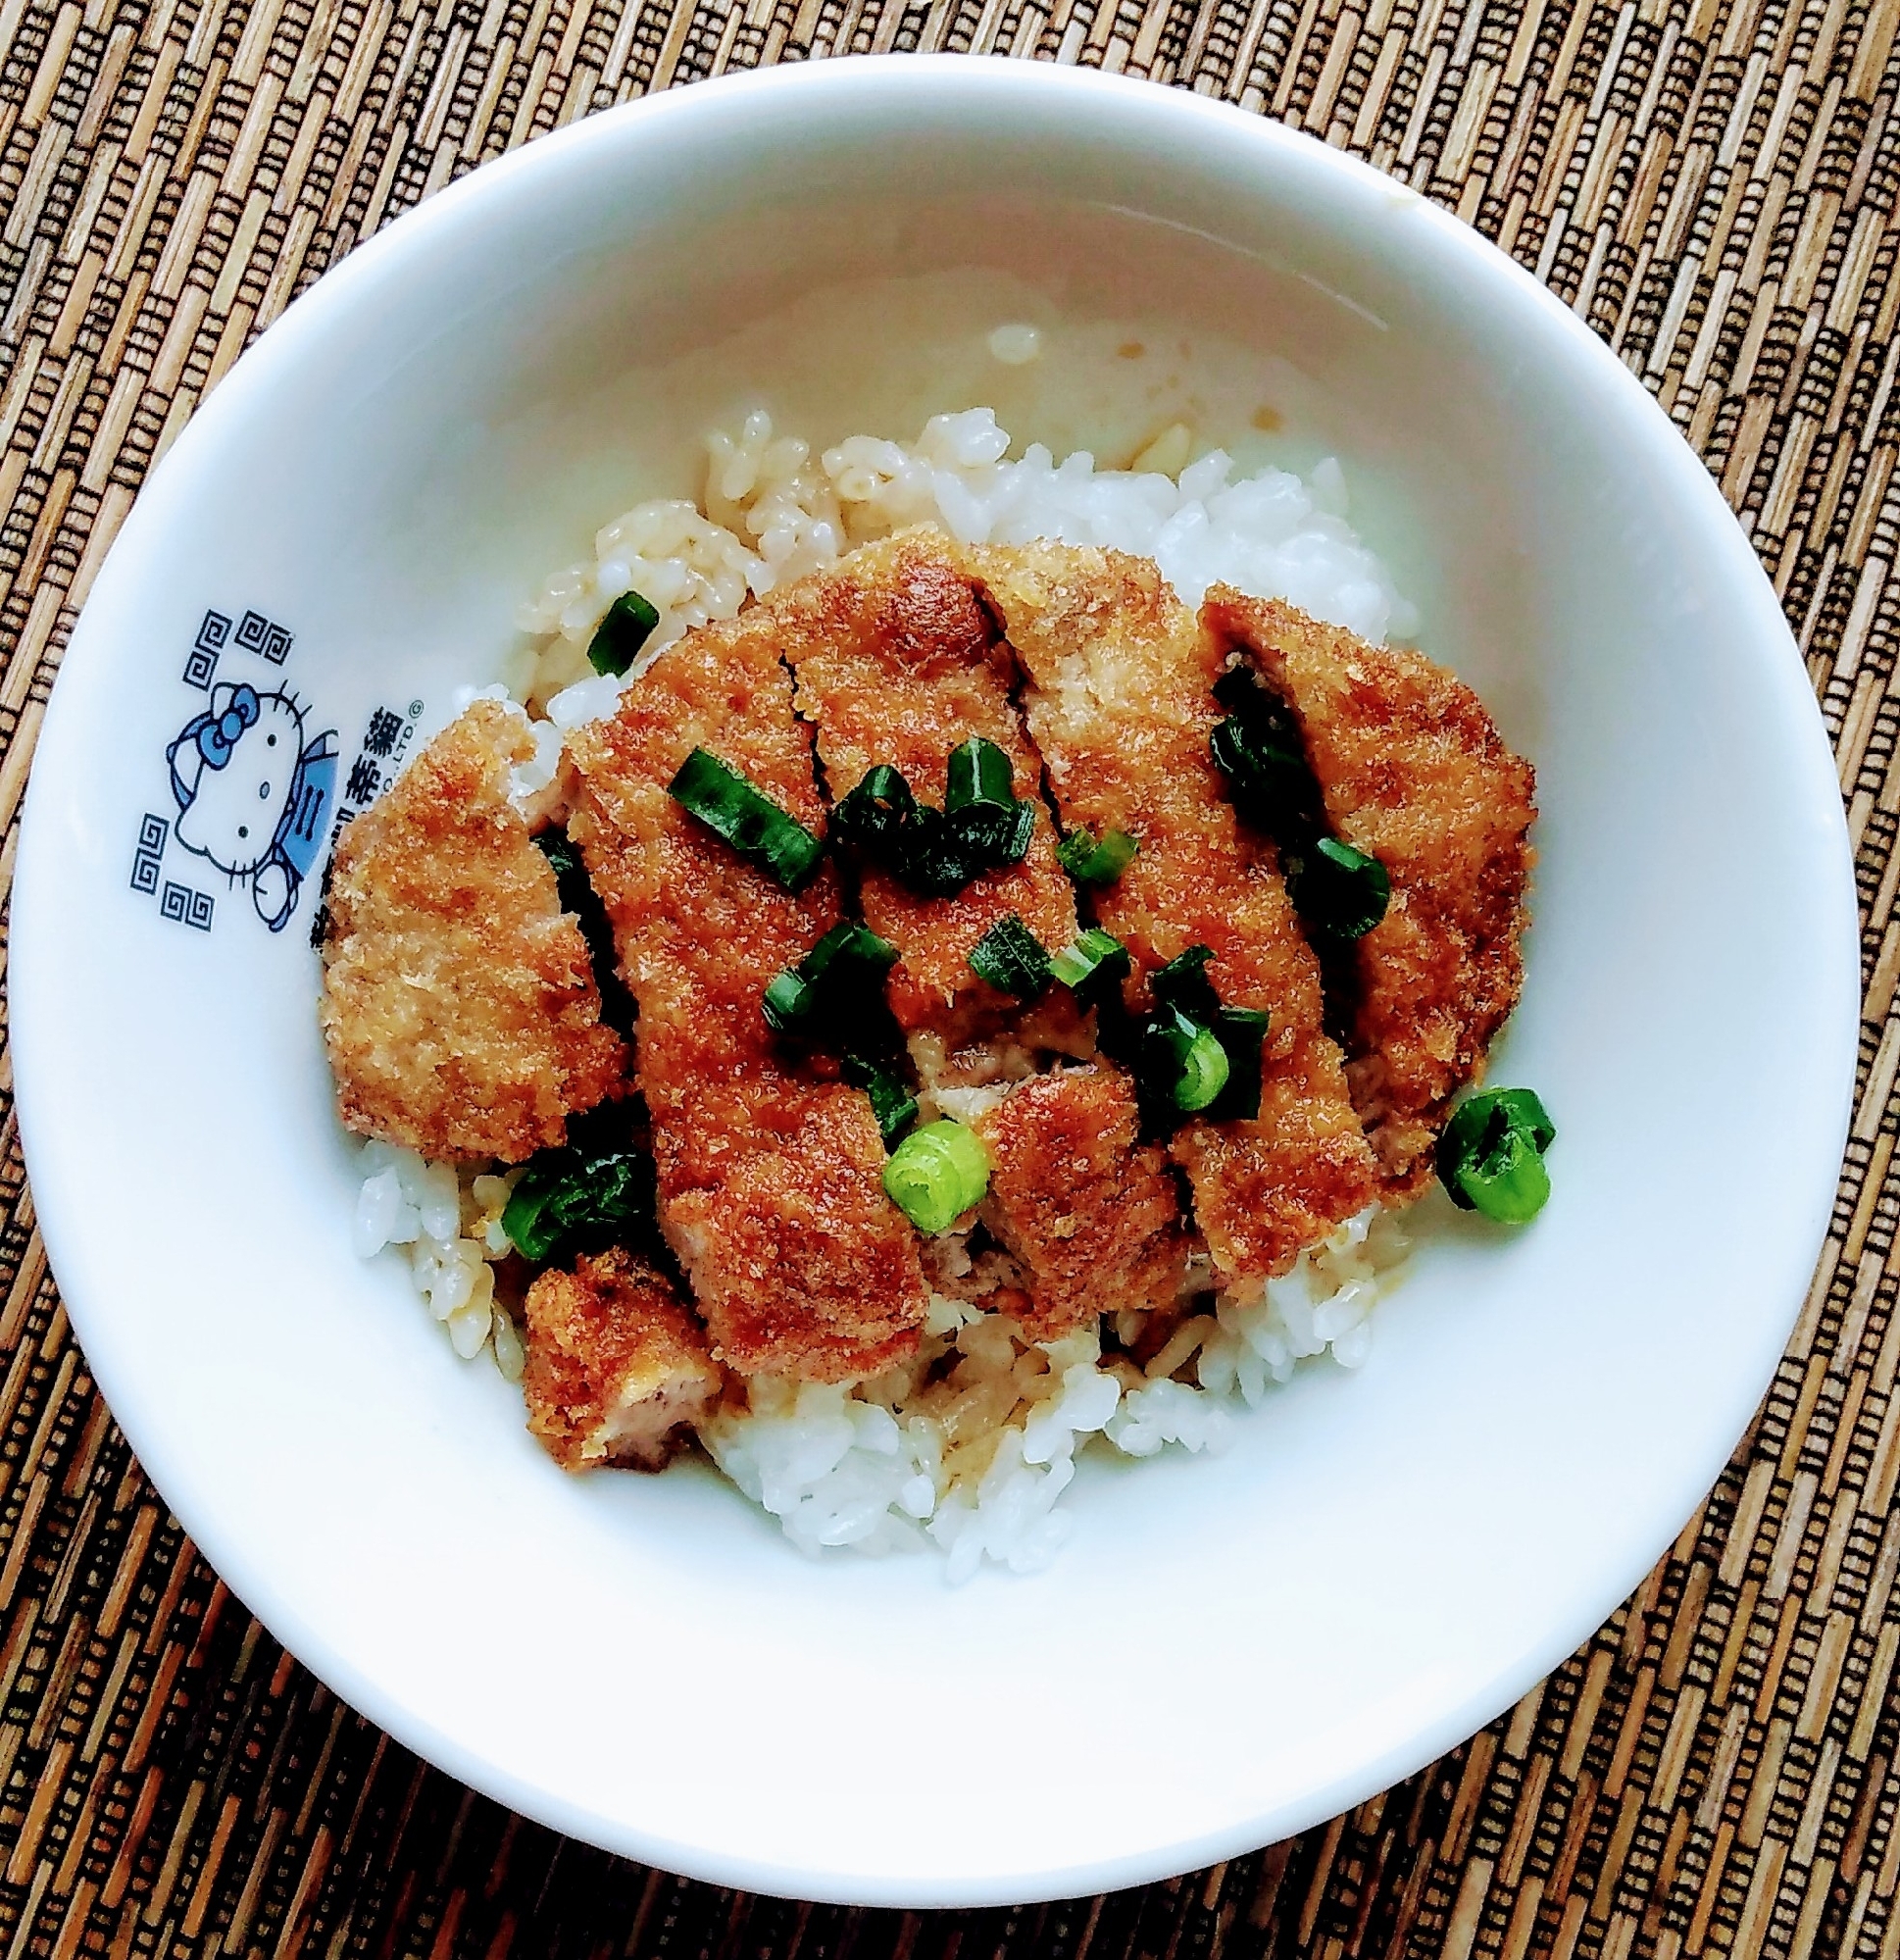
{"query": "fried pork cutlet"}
pixel 896 662
pixel 1411 768
pixel 459 1004
pixel 769 1184
pixel 1090 1217
pixel 617 1367
pixel 1119 705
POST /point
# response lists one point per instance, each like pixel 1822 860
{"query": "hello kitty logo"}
pixel 253 794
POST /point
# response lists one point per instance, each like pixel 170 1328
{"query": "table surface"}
pixel 1712 186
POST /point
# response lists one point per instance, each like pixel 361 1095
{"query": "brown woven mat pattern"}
pixel 1712 186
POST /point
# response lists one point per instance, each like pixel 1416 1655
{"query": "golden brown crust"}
pixel 617 1368
pixel 1093 1219
pixel 1413 769
pixel 897 663
pixel 458 1003
pixel 769 1176
pixel 1121 708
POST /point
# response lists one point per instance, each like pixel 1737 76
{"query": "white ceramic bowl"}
pixel 1228 1651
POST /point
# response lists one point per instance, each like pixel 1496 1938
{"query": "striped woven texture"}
pixel 1711 185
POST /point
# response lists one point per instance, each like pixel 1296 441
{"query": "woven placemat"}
pixel 1712 186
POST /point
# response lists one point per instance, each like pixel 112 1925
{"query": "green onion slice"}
pixel 732 808
pixel 1242 1033
pixel 880 812
pixel 891 1101
pixel 1491 1156
pixel 978 772
pixel 841 977
pixel 982 824
pixel 1259 750
pixel 1091 862
pixel 1183 983
pixel 592 1191
pixel 1012 959
pixel 619 637
pixel 1340 890
pixel 1093 968
pixel 936 1174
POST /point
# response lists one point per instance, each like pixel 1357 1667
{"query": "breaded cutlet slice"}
pixel 458 1004
pixel 1121 707
pixel 1089 1212
pixel 617 1368
pixel 896 662
pixel 1413 769
pixel 770 1176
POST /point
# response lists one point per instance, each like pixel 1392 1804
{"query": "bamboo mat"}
pixel 1712 186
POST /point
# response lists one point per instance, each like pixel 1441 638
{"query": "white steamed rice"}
pixel 976 1459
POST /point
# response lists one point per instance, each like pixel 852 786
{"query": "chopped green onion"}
pixel 619 637
pixel 1491 1156
pixel 592 1191
pixel 1089 862
pixel 936 1174
pixel 1340 891
pixel 577 895
pixel 891 1102
pixel 1183 983
pixel 837 980
pixel 1241 1033
pixel 1093 968
pixel 1258 749
pixel 732 808
pixel 1184 1064
pixel 978 772
pixel 1012 959
pixel 981 827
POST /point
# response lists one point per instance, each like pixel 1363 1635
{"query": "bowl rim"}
pixel 945 84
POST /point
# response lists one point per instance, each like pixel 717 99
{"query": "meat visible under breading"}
pixel 617 1367
pixel 1412 769
pixel 458 1002
pixel 1092 1220
pixel 1121 708
pixel 770 1178
pixel 896 662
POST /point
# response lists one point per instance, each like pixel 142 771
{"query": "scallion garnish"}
pixel 1242 1033
pixel 619 637
pixel 1183 983
pixel 1012 959
pixel 1093 968
pixel 1340 890
pixel 836 983
pixel 1184 1063
pixel 732 808
pixel 936 1174
pixel 594 1190
pixel 891 1102
pixel 982 824
pixel 1091 862
pixel 1491 1156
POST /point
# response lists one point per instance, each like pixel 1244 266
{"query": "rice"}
pixel 971 1444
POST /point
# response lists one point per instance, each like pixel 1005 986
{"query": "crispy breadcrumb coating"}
pixel 896 662
pixel 1092 1218
pixel 1413 769
pixel 1121 708
pixel 617 1368
pixel 770 1177
pixel 458 1002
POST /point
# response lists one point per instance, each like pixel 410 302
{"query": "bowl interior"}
pixel 1226 1651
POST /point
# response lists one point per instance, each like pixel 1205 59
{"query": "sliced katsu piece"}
pixel 617 1368
pixel 459 1002
pixel 768 1175
pixel 1090 1214
pixel 1411 770
pixel 1121 707
pixel 897 663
